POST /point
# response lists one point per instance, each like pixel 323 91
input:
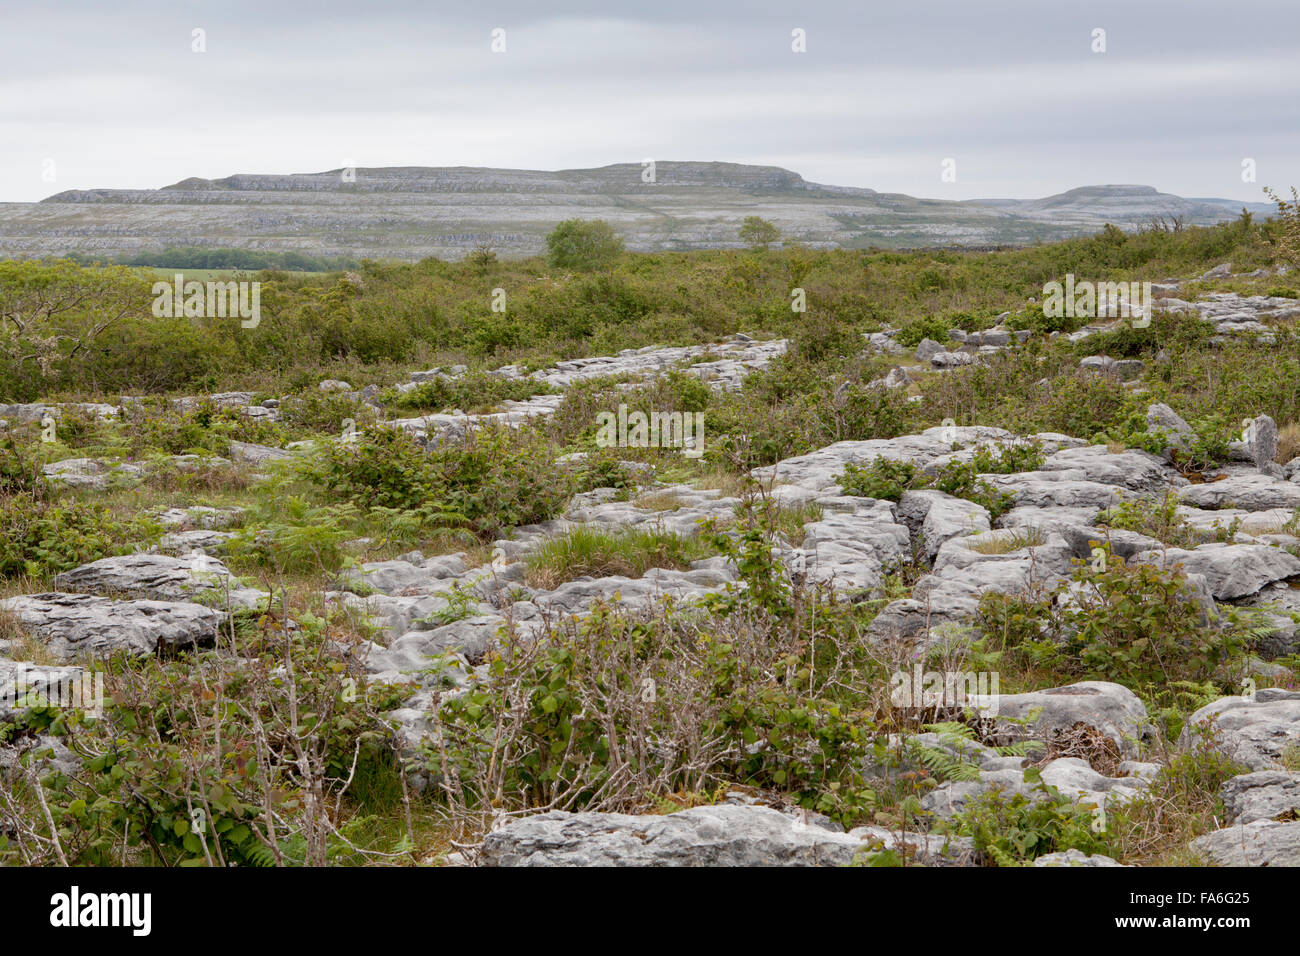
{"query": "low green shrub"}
pixel 1138 625
pixel 43 536
pixel 931 327
pixel 493 479
pixel 473 392
pixel 884 478
pixel 1017 829
pixel 888 480
pixel 590 551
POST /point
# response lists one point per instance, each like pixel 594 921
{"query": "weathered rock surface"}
pixel 1134 470
pixel 1075 858
pixel 1231 571
pixel 1246 492
pixel 1261 843
pixel 251 454
pixel 90 473
pixel 1263 795
pixel 73 624
pixel 186 543
pixel 940 517
pixel 163 578
pixel 201 517
pixel 1073 777
pixel 1253 730
pixel 1111 708
pixel 722 835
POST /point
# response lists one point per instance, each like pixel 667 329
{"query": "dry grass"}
pixel 1088 744
pixel 20 645
pixel 1004 542
pixel 591 552
pixel 1290 757
pixel 1181 804
pixel 203 476
pixel 724 480
pixel 660 501
pixel 1288 442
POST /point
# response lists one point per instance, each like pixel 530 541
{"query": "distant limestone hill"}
pixel 411 212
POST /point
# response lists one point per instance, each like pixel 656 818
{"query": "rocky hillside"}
pixel 414 212
pixel 430 617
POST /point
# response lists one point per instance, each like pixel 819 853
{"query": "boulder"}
pixel 927 349
pixel 1075 858
pixel 73 624
pixel 250 454
pixel 405 657
pixel 1263 795
pixel 1082 539
pixel 188 542
pixel 1230 570
pixel 1057 489
pixel 406 577
pixel 1129 370
pixel 1132 469
pixel 1254 730
pixel 1261 843
pixel 162 577
pixel 720 835
pixel 1247 492
pixel 89 472
pixel 1110 708
pixel 942 360
pixel 1161 419
pixel 939 517
pixel 1262 441
pixel 201 517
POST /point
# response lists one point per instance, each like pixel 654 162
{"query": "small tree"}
pixel 1288 222
pixel 52 313
pixel 483 256
pixel 758 232
pixel 586 245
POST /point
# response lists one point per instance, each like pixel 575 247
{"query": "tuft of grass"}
pixel 727 481
pixel 1182 804
pixel 1288 442
pixel 586 551
pixel 19 645
pixel 1004 542
pixel 790 519
pixel 1291 757
pixel 660 501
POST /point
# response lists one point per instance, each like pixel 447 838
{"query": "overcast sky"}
pixel 109 93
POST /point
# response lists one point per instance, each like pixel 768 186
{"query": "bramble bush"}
pixel 237 759
pixel 43 533
pixel 888 479
pixel 494 478
pixel 1137 625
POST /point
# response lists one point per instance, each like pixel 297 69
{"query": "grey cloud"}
pixel 1010 89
